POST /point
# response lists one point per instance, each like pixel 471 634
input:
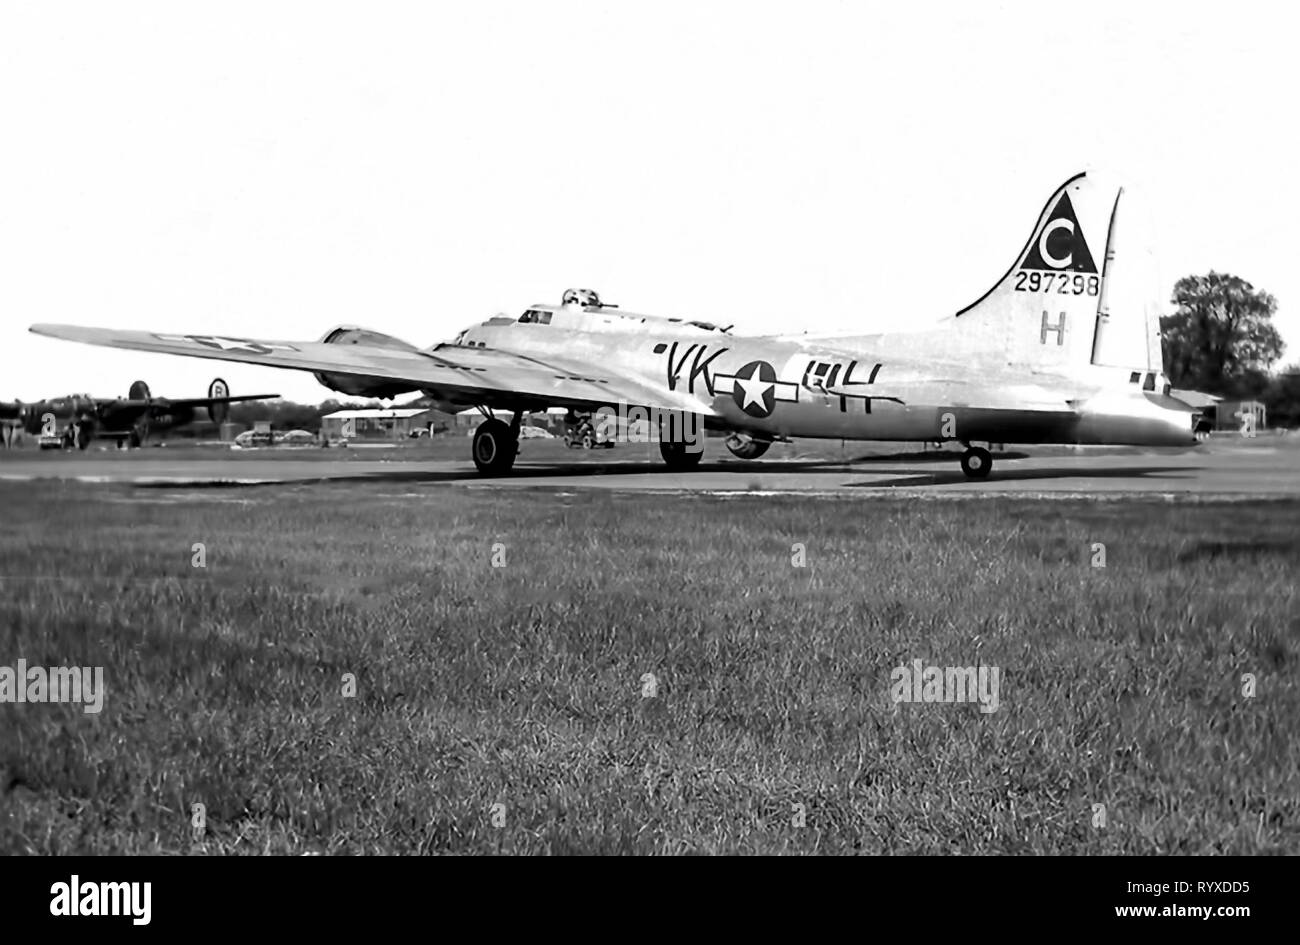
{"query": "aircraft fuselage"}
pixel 779 387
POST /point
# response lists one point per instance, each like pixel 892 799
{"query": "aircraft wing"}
pixel 206 401
pixel 487 376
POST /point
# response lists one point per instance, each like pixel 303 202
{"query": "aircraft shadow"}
pixel 469 473
pixel 930 456
pixel 580 471
pixel 951 477
pixel 1213 550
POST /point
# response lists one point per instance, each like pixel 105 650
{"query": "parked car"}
pixel 251 438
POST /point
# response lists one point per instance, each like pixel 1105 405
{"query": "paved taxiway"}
pixel 1221 469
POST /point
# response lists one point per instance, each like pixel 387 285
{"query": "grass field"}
pixel 768 726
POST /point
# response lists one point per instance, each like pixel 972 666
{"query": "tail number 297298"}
pixel 1061 282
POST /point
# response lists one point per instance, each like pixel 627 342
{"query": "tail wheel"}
pixel 976 462
pixel 494 448
pixel 678 457
pixel 588 441
pixel 743 446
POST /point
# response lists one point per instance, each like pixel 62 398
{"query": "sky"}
pixel 271 170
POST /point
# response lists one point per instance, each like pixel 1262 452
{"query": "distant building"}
pixel 1243 416
pixel 551 420
pixel 471 416
pixel 397 423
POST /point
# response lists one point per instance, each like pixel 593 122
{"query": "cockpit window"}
pixel 535 317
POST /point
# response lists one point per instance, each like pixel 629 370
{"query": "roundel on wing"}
pixel 754 389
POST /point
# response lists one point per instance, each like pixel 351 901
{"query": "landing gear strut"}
pixel 976 462
pixel 496 444
pixel 79 435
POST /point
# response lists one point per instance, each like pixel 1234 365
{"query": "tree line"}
pixel 287 415
pixel 1221 340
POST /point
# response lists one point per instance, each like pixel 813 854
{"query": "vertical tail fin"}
pixel 1057 307
pixel 218 407
pixel 1128 318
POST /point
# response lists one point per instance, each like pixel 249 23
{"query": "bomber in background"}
pixel 76 420
pixel 1063 349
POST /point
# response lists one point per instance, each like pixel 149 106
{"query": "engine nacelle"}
pixel 356 385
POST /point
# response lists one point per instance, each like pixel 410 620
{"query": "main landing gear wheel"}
pixel 976 462
pixel 495 448
pixel 746 447
pixel 678 457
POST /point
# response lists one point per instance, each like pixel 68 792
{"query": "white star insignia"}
pixel 755 388
pixel 227 344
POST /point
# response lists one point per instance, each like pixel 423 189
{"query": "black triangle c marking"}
pixel 1059 246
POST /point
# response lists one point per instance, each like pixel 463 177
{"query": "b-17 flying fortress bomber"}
pixel 1063 349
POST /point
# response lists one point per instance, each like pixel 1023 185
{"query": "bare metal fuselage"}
pixel 858 388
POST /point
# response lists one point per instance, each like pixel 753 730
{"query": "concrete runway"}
pixel 1228 469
